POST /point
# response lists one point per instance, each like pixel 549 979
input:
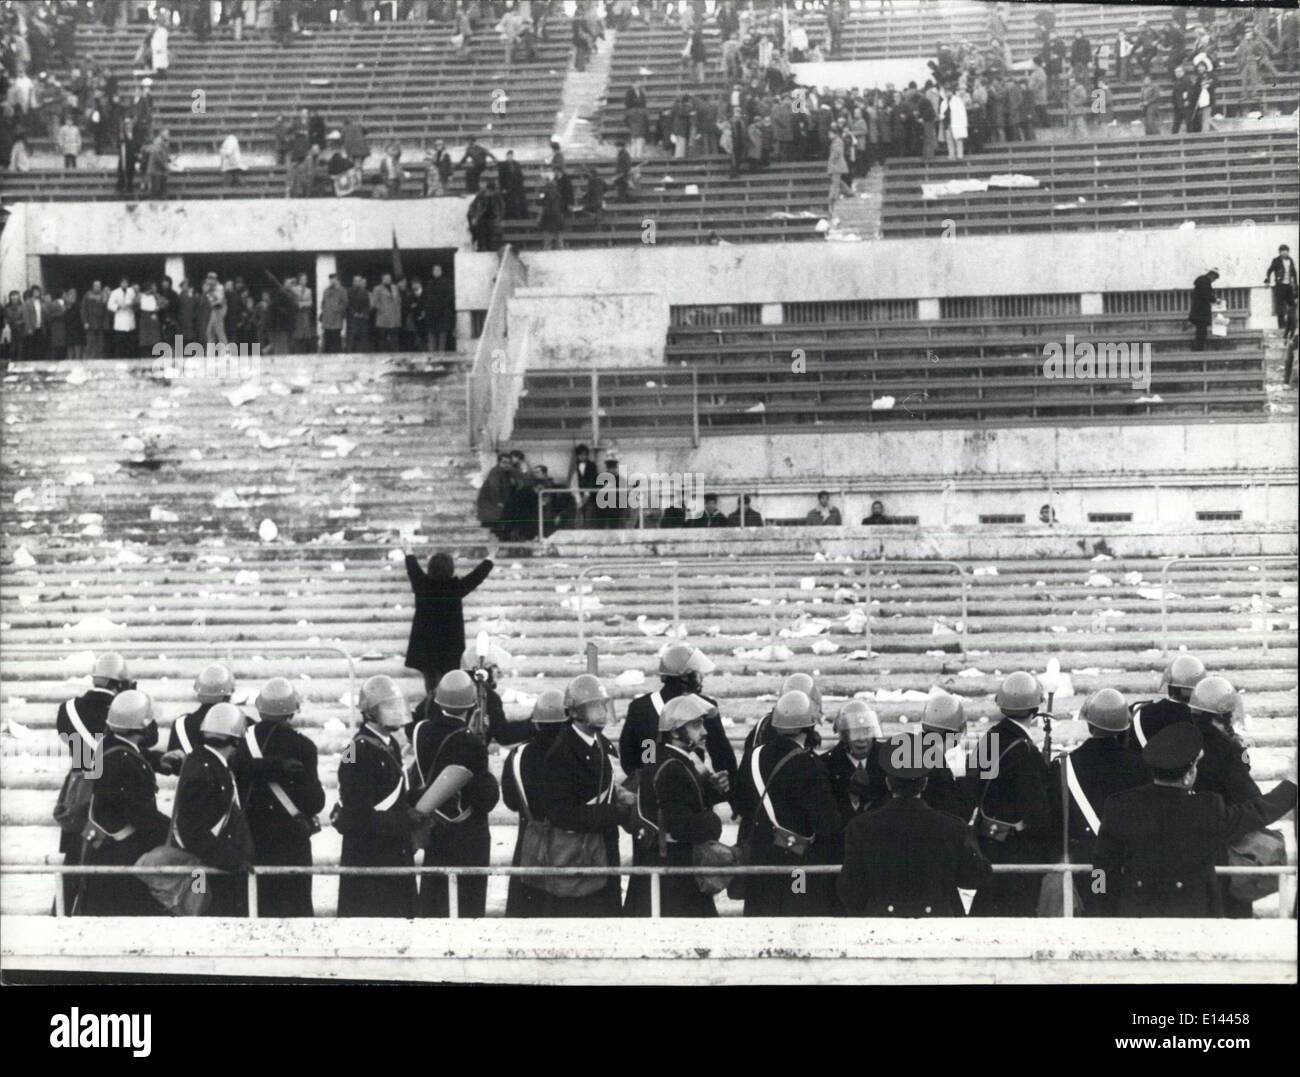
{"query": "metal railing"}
pixel 655 873
pixel 1243 562
pixel 712 566
pixel 212 650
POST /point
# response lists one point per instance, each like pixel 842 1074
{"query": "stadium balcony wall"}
pixel 1029 264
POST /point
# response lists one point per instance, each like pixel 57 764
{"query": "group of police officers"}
pixel 1151 799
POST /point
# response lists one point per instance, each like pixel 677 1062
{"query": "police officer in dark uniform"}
pixel 760 735
pixel 80 723
pixel 674 811
pixel 521 789
pixel 906 858
pixel 208 816
pixel 795 820
pixel 284 797
pixel 1180 677
pixel 455 791
pixel 499 728
pixel 950 785
pixel 1101 766
pixel 853 766
pixel 580 795
pixel 372 812
pixel 1013 820
pixel 682 669
pixel 124 821
pixel 216 684
pixel 1159 844
pixel 1216 708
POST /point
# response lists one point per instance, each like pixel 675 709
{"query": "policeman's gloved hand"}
pixel 171 762
pixel 721 781
pixel 287 767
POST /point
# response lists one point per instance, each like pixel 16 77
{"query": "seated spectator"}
pixel 745 516
pixel 1047 515
pixel 711 516
pixel 823 512
pixel 877 515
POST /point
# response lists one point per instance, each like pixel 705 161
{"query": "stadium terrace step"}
pixel 1158 181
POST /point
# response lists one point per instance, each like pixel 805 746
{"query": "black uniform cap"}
pixel 1174 747
pixel 900 757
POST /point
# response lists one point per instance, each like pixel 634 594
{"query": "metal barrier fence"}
pixel 1243 562
pixel 712 566
pixel 1066 871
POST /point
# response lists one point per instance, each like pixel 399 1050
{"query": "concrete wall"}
pixel 1154 259
pixel 669 952
pixel 1130 450
pixel 237 226
pixel 604 329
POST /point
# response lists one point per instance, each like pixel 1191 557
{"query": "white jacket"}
pixel 121 303
pixel 957 116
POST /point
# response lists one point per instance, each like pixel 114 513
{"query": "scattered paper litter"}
pixel 163 516
pixel 1097 579
pixel 882 403
pixel 825 646
pixel 267 530
pixel 243 394
pixel 986 570
pixel 651 628
pixel 23 558
pixel 630 678
pixel 78 376
pixel 770 653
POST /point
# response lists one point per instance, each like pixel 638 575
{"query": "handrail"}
pixel 230 648
pixel 721 567
pixel 655 872
pixel 1260 560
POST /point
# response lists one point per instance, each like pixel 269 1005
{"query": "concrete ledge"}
pixel 820 951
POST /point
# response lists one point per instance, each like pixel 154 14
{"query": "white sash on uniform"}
pixel 1080 798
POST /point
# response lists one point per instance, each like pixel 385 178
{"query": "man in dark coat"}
pixel 579 793
pixel 437 637
pixel 853 765
pixel 785 786
pixel 124 818
pixel 1100 767
pixel 215 684
pixel 521 789
pixel 1202 313
pixel 712 516
pixel 208 817
pixel 358 316
pixel 439 310
pixel 490 504
pixel 80 723
pixel 1282 273
pixel 906 858
pixel 455 791
pixel 283 799
pixel 682 669
pixel 1159 844
pixel 1182 100
pixel 510 175
pixel 475 161
pixel 1150 716
pixel 674 812
pixel 949 786
pixel 372 812
pixel 750 517
pixel 1013 821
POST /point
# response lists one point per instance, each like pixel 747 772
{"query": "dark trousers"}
pixel 1198 341
pixel 34 344
pixel 358 333
pixel 333 341
pixel 123 344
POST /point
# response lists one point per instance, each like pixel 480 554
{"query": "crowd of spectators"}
pixel 276 316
